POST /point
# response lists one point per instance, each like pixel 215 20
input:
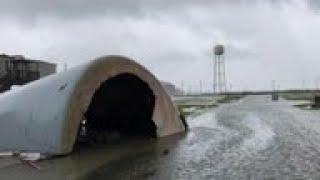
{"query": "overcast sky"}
pixel 265 39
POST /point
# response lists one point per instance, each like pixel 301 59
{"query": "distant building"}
pixel 17 70
pixel 172 89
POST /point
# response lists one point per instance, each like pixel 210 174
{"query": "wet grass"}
pixel 229 98
pixel 302 96
pixel 298 96
pixel 194 105
pixel 192 109
pixel 307 106
pixel 302 106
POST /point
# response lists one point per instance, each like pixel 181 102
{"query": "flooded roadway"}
pixel 253 138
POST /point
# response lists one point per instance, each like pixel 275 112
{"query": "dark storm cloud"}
pixel 81 8
pixel 66 8
pixel 30 9
pixel 264 39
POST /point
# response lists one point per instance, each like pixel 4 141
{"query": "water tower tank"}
pixel 219 50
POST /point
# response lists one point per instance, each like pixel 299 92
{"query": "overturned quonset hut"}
pixel 110 93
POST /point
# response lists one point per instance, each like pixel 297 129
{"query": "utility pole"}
pixel 200 87
pixel 303 84
pixel 275 96
pixel 182 87
pixel 273 85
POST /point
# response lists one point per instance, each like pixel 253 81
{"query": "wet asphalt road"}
pixel 253 138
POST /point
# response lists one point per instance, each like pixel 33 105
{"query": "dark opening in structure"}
pixel 123 104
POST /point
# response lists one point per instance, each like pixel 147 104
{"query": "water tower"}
pixel 219 74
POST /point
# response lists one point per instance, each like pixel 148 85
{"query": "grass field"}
pixel 298 96
pixel 302 100
pixel 193 105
